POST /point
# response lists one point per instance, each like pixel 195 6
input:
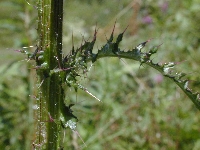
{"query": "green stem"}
pixel 51 95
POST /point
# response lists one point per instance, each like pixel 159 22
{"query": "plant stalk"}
pixel 51 95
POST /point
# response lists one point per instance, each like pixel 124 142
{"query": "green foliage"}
pixel 16 107
pixel 140 110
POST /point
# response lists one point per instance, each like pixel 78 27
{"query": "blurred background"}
pixel 141 109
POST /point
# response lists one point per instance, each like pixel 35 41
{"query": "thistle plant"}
pixel 56 72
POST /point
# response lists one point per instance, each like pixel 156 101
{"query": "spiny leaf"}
pixel 111 49
pixel 77 61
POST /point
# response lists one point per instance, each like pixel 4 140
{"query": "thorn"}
pixel 125 29
pixel 114 27
pixel 95 33
pixel 28 2
pixel 79 137
pixel 67 68
pixel 84 89
pixel 141 64
pixel 70 105
pixel 141 45
pixel 41 83
pixel 149 40
pixel 122 60
pixel 58 62
pixel 82 44
pixel 50 118
pixel 72 43
pixel 111 36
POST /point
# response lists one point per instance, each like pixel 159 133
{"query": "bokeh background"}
pixel 141 109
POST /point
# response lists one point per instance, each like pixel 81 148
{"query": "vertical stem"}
pixel 51 95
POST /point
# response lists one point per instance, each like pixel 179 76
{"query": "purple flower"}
pixel 164 6
pixel 158 78
pixel 147 20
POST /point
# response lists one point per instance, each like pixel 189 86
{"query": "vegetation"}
pixel 140 109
